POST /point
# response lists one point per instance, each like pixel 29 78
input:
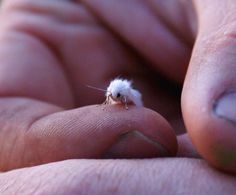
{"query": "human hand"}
pixel 154 176
pixel 49 39
pixel 44 75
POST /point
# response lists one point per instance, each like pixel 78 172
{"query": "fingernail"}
pixel 225 107
pixel 135 145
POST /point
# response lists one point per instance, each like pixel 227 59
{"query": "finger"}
pixel 186 148
pixel 147 33
pixel 31 135
pixel 29 66
pixel 165 176
pixel 62 44
pixel 208 99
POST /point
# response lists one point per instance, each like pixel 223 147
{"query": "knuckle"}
pixel 10 5
pixel 224 37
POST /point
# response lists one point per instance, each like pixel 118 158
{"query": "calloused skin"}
pixel 49 52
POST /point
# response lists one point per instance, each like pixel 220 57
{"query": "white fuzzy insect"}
pixel 120 91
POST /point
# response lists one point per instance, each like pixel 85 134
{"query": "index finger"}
pixel 86 132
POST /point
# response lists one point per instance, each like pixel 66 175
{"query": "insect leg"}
pixel 107 100
pixel 126 104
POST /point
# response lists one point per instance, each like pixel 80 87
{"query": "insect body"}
pixel 121 91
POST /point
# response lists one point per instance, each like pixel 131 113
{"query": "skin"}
pixel 51 50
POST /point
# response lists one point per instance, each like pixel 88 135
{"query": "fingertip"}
pixel 108 131
pixel 208 98
pixel 212 133
pixel 149 134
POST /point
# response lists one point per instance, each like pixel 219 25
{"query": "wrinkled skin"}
pixel 49 52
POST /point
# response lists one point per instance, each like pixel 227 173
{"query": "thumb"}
pixel 209 94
